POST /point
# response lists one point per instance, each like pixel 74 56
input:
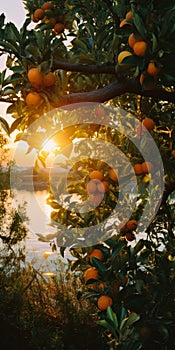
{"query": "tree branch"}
pixel 117 88
pixel 107 68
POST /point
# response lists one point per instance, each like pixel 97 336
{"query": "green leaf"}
pixel 2 19
pixel 137 21
pixel 118 248
pixel 9 91
pixel 127 322
pixel 99 265
pixel 62 250
pixel 112 316
pixel 80 44
pixel 4 125
pixel 15 124
pixel 13 33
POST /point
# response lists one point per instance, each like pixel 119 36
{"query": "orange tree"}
pixel 121 54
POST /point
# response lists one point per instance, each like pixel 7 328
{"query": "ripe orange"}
pixel 138 169
pixel 123 23
pixel 132 40
pixel 97 253
pixel 52 21
pixel 96 199
pixel 113 174
pixel 47 6
pixel 148 123
pixel 91 186
pixel 122 55
pixel 147 167
pixel 152 69
pixel 49 79
pixel 130 236
pixel 95 127
pixel 96 175
pixel 103 302
pixel 140 48
pixel 173 152
pixel 59 28
pixel 99 112
pixel 129 15
pixel 35 20
pixel 35 77
pixel 33 99
pixel 132 224
pixel 91 273
pixel 38 14
pixel 103 187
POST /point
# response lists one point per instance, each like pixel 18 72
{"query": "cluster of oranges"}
pixel 127 228
pixel 106 289
pixel 98 184
pixel 143 168
pixel 39 81
pixel 51 16
pixel 139 48
pixel 92 274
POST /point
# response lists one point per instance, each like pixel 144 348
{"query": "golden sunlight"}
pixel 49 146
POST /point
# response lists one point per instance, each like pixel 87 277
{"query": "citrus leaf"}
pixel 112 316
pixel 15 124
pixel 4 125
pixel 127 322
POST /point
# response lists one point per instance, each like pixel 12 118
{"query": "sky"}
pixel 14 12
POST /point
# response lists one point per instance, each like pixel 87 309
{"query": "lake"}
pixel 38 213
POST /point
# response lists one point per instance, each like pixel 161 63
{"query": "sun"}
pixel 49 146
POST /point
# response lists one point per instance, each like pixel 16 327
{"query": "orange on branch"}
pixel 96 175
pixel 138 169
pixel 148 123
pixel 103 187
pixel 38 14
pixel 130 236
pixel 59 28
pixel 91 273
pixel 129 15
pixel 33 99
pixel 140 48
pixel 152 69
pixel 52 21
pixel 49 79
pixel 47 6
pixel 124 23
pixel 147 167
pixel 96 253
pixel 132 224
pixel 35 77
pixel 97 198
pixel 122 55
pixel 103 302
pixel 91 186
pixel 132 39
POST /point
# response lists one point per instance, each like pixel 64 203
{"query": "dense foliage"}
pixel 120 53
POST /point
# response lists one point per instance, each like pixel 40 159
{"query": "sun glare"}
pixel 49 146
